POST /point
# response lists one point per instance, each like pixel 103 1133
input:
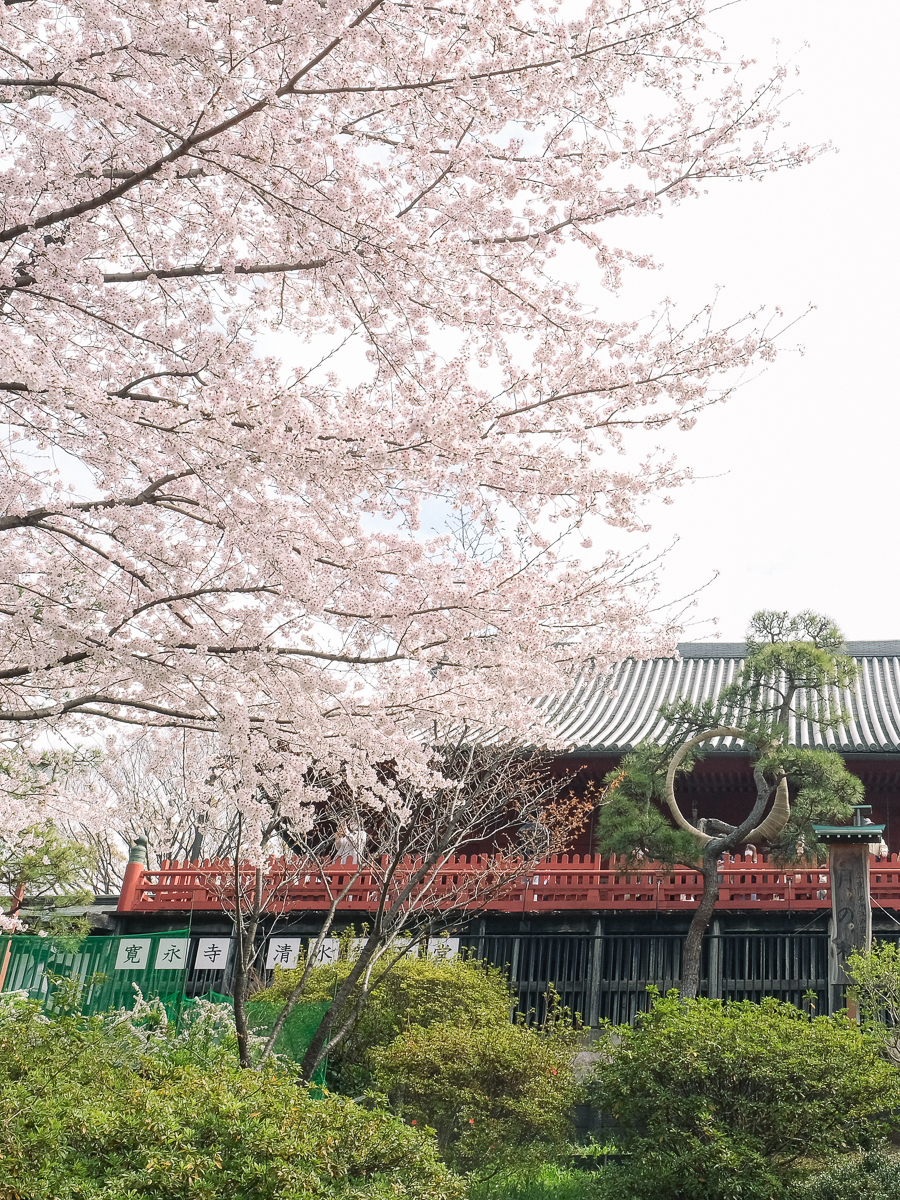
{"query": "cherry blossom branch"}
pixel 184 146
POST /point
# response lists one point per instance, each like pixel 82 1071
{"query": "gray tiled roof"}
pixel 616 711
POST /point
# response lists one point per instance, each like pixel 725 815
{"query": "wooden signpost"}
pixel 851 901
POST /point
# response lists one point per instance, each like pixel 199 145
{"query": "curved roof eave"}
pixel 611 714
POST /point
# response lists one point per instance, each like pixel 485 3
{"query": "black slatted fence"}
pixel 606 976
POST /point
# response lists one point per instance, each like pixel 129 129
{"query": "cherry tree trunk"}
pixel 245 927
pixel 240 1013
pixel 334 1026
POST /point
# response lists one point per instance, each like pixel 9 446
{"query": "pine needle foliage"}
pixel 795 666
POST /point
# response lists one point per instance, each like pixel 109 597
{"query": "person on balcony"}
pixel 350 842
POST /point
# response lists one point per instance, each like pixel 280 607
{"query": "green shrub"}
pixel 85 1115
pixel 495 1094
pixel 725 1101
pixel 550 1182
pixel 874 1175
pixel 435 1036
pixel 417 991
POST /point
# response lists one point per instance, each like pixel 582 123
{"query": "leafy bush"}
pixel 724 1101
pixel 435 1036
pixel 876 989
pixel 495 1094
pixel 417 991
pixel 86 1115
pixel 874 1175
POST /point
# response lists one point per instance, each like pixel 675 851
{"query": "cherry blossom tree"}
pixel 51 786
pixel 502 810
pixel 161 790
pixel 306 426
pixel 499 807
pixel 422 866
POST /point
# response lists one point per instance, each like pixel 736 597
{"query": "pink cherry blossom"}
pixel 304 422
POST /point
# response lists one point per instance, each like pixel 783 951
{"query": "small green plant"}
pixel 67 991
pixel 873 1175
pixel 547 1182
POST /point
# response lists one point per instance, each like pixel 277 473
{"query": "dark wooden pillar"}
pixel 851 900
pixel 851 915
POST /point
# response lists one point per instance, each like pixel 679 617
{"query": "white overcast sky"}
pixel 795 504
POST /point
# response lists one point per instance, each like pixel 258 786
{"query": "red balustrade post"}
pixel 14 910
pixel 134 874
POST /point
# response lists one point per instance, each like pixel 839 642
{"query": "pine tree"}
pixel 792 667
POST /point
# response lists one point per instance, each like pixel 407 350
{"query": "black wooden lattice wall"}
pixel 606 976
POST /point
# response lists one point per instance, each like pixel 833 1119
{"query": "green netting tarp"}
pixel 297 1031
pixel 106 970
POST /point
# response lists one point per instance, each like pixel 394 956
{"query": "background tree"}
pixel 162 789
pixel 305 431
pixel 791 667
pixel 42 872
pixel 875 976
pixel 48 864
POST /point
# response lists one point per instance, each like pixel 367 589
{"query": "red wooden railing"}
pixel 557 885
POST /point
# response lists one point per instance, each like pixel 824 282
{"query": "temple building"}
pixel 600 931
pixel 602 718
